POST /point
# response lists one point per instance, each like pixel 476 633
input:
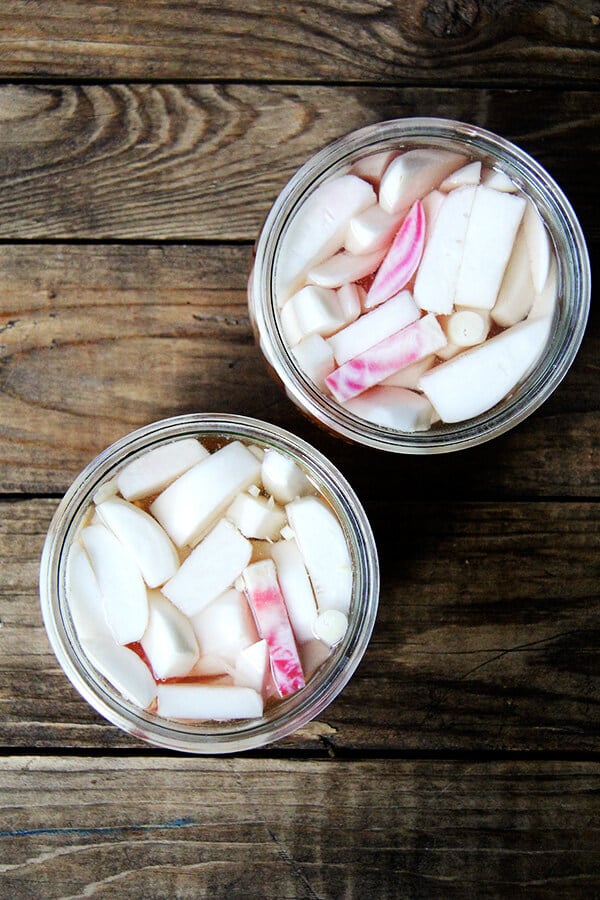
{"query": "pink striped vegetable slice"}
pixel 272 621
pixel 407 346
pixel 402 259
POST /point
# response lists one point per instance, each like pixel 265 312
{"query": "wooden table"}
pixel 141 146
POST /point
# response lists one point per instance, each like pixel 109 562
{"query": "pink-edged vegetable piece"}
pixel 407 346
pixel 401 260
pixel 268 606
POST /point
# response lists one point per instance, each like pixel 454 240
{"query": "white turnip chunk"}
pixel 313 310
pixel 373 327
pixel 413 174
pixel 84 596
pixel 330 627
pixel 350 298
pixel 371 230
pixel 497 180
pixel 169 641
pixel 283 478
pixel 468 174
pixel 372 166
pixel 210 569
pixel 214 702
pixel 324 549
pixel 538 246
pixel 252 668
pixel 267 604
pixel 295 587
pixel 493 224
pixel 545 303
pixel 121 584
pixel 156 469
pixel 124 669
pixel 315 358
pixel 517 292
pixel 318 230
pixel 345 268
pixel 436 279
pixel 256 518
pixel 474 381
pixel 409 376
pixel 189 506
pixel 142 537
pixel 225 626
pixel 467 327
pixel 393 407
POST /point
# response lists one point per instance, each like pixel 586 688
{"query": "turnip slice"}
pixel 256 518
pixel 407 346
pixel 156 469
pixel 120 581
pixel 371 230
pixel 210 569
pixel 468 174
pixel 431 203
pixel 477 379
pixel 124 669
pixel 169 641
pixel 373 327
pixel 324 549
pixel 401 260
pixel 252 668
pixel 413 174
pixel 436 279
pixel 344 268
pixel 268 606
pixel 208 702
pixel 372 166
pixel 84 597
pixel 318 230
pixel 189 506
pixel 296 588
pixel 493 225
pixel 350 299
pixel 393 407
pixel 517 292
pixel 142 537
pixel 315 358
pixel 331 626
pixel 283 478
pixel 545 303
pixel 538 246
pixel 313 310
pixel 312 655
pixel 467 327
pixel 409 376
pixel 499 181
pixel 225 626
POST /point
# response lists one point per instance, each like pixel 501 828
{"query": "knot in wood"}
pixel 450 18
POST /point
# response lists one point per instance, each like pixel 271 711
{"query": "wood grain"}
pixel 206 162
pixel 246 828
pixel 444 43
pixel 486 637
pixel 96 340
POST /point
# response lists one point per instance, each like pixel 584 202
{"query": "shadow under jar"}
pixel 463 208
pixel 98 499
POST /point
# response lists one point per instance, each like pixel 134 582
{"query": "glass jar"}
pixel 573 279
pixel 286 715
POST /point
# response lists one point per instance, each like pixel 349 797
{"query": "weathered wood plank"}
pixel 248 828
pixel 207 161
pixel 96 340
pixel 486 637
pixel 444 43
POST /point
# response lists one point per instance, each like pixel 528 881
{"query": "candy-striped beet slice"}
pixel 401 260
pixel 407 346
pixel 268 606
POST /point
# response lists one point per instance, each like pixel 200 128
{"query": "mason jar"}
pixel 531 180
pixel 280 718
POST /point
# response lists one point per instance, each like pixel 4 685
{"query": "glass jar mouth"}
pixel 289 714
pixel 574 283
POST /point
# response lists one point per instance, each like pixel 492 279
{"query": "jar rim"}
pixel 574 278
pixel 288 715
